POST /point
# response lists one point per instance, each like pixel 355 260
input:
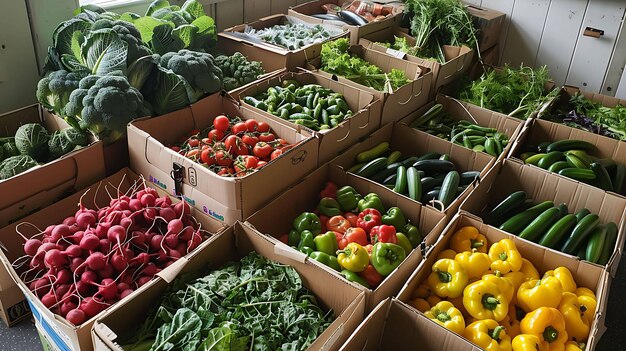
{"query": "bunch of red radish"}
pixel 97 257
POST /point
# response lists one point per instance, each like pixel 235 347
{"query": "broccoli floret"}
pixel 53 91
pixel 127 32
pixel 32 139
pixel 197 68
pixel 237 70
pixel 104 105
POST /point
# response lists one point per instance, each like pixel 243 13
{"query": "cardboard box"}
pixel 489 23
pixel 304 11
pixel 393 325
pixel 27 192
pixel 458 58
pixel 290 59
pixel 365 119
pixel 405 99
pixel 585 274
pixel 226 198
pixel 459 110
pixel 542 130
pixel 539 185
pixel 331 293
pixel 304 197
pixel 46 344
pixel 64 335
pixel 411 142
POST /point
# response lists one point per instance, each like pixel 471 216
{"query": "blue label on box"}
pixel 52 335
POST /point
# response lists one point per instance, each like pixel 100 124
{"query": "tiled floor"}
pixel 23 337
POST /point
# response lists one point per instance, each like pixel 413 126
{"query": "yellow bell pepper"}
pixel 505 285
pixel 504 257
pixel 458 303
pixel 574 346
pixel 548 324
pixel 512 320
pixel 422 291
pixel 420 304
pixel 474 263
pixel 433 300
pixel 565 277
pixel 588 302
pixel 468 238
pixel 516 278
pixel 447 253
pixel 533 294
pixel 529 270
pixel 484 300
pixel 576 322
pixel 448 278
pixel 447 315
pixel 528 342
pixel 488 335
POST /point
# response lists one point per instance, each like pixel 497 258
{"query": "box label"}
pixel 396 53
pixel 17 311
pixel 157 182
pixel 212 213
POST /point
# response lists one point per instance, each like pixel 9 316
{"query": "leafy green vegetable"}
pixel 253 304
pixel 515 92
pixel 336 59
pixel 66 140
pixel 15 165
pixel 32 139
pixel 197 68
pixel 10 149
pixel 291 36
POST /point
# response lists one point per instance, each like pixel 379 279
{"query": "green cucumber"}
pixel 608 163
pixel 414 184
pixel 582 156
pixel 434 166
pixel 603 180
pixel 391 179
pixel 550 158
pixel 429 156
pixel 534 159
pixel 383 174
pixel 526 155
pixel 429 183
pixel 431 195
pixel 410 161
pixel 393 157
pixel 609 243
pixel 578 174
pixel 581 214
pixel 401 181
pixel 469 177
pixel 563 210
pixel 575 162
pixel 504 209
pixel 568 144
pixel 582 253
pixel 372 167
pixel 433 112
pixel 595 244
pixel 543 147
pixel 558 231
pixel 618 178
pixel 449 187
pixel 356 167
pixel 557 166
pixel 580 234
pixel 517 223
pixel 537 228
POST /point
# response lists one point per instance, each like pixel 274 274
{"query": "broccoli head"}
pixel 237 70
pixel 128 33
pixel 53 91
pixel 197 68
pixel 104 106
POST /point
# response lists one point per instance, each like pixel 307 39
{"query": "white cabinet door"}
pixel 524 34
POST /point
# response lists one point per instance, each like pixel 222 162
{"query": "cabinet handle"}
pixel 593 32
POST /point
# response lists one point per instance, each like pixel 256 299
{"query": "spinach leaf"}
pixel 183 333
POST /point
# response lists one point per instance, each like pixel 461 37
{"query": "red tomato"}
pixel 267 137
pixel 252 125
pixel 225 171
pixel 250 139
pixel 239 128
pixel 262 150
pixel 207 156
pixel 263 127
pixel 276 153
pixel 222 158
pixel 175 148
pixel 216 135
pixel 235 146
pixel 193 142
pixel 260 164
pixel 244 163
pixel 221 123
pixel 192 153
pixel 283 142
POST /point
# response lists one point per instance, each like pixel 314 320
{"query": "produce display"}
pixel 434 23
pixel 336 59
pixel 237 70
pixel 232 146
pixel 497 299
pixel 309 105
pixel 98 256
pixel 429 177
pixel 252 304
pixel 33 145
pixel 514 92
pixel 354 235
pixel 462 132
pixel 580 234
pixel 292 36
pixel 570 158
pixel 585 114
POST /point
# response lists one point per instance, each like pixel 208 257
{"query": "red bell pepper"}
pixel 330 190
pixel 352 218
pixel 368 219
pixel 339 237
pixel 383 234
pixel 372 277
pixel 353 235
pixel 284 238
pixel 338 224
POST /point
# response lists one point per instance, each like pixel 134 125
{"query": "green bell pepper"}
pixel 386 257
pixel 404 242
pixel 326 259
pixel 306 240
pixel 413 233
pixel 371 200
pixel 327 243
pixel 308 221
pixel 293 238
pixel 329 207
pixel 394 217
pixel 306 250
pixel 354 277
pixel 348 198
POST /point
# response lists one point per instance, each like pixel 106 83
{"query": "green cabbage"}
pixel 16 165
pixel 32 139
